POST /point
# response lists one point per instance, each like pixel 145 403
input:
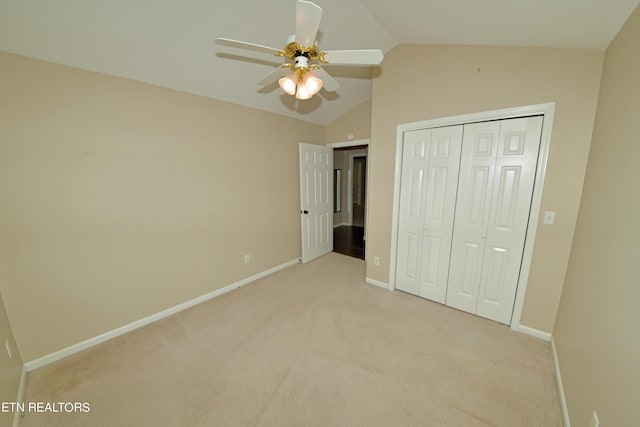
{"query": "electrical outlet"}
pixel 595 422
pixel 376 260
pixel 8 347
pixel 247 259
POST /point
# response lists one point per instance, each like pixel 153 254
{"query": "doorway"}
pixel 349 219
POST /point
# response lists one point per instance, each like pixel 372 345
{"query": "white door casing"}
pixel 316 200
pixel 429 177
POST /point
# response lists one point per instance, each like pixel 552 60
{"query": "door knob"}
pixel 305 212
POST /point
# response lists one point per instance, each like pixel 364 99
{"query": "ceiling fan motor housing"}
pixel 301 62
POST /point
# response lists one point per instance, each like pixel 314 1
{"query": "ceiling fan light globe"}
pixel 312 82
pixel 303 92
pixel 288 84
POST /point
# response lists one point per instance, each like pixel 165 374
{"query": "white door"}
pixel 316 200
pixel 477 166
pixel 498 166
pixel 427 201
pixel 517 155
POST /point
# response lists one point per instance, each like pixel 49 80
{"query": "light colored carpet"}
pixel 312 345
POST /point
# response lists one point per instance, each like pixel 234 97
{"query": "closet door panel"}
pixel 415 157
pixel 430 165
pixel 516 162
pixel 442 183
pixel 475 188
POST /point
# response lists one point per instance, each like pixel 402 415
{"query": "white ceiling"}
pixel 170 43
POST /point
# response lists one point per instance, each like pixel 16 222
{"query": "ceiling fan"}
pixel 301 75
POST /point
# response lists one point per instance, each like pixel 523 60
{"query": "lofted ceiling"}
pixel 170 43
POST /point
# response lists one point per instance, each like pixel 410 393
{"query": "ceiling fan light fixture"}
pixel 301 82
pixel 302 55
pixel 312 83
pixel 303 91
pixel 288 83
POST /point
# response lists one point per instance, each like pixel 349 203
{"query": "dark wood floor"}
pixel 349 240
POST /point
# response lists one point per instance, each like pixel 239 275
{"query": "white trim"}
pixel 548 110
pixel 75 348
pixel 534 214
pixel 378 283
pixel 395 219
pixel 536 333
pixel 482 116
pixel 563 401
pixel 352 143
pixel 347 144
pixel 339 225
pixel 17 416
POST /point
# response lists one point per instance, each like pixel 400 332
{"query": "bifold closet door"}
pixel 497 172
pixel 430 162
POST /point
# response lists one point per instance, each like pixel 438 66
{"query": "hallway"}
pixel 349 240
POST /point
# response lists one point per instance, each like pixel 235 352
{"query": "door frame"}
pixel 347 144
pixel 548 111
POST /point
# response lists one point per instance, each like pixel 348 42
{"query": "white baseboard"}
pixel 545 336
pixel 377 283
pixel 339 225
pixel 75 348
pixel 563 401
pixel 17 415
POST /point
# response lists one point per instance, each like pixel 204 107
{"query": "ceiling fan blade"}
pixel 245 45
pixel 275 75
pixel 307 22
pixel 354 57
pixel 328 83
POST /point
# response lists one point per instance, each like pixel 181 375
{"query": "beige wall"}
pixel 425 82
pixel 122 199
pixel 356 121
pixel 10 369
pixel 596 332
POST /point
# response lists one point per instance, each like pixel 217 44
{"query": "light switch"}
pixel 549 217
